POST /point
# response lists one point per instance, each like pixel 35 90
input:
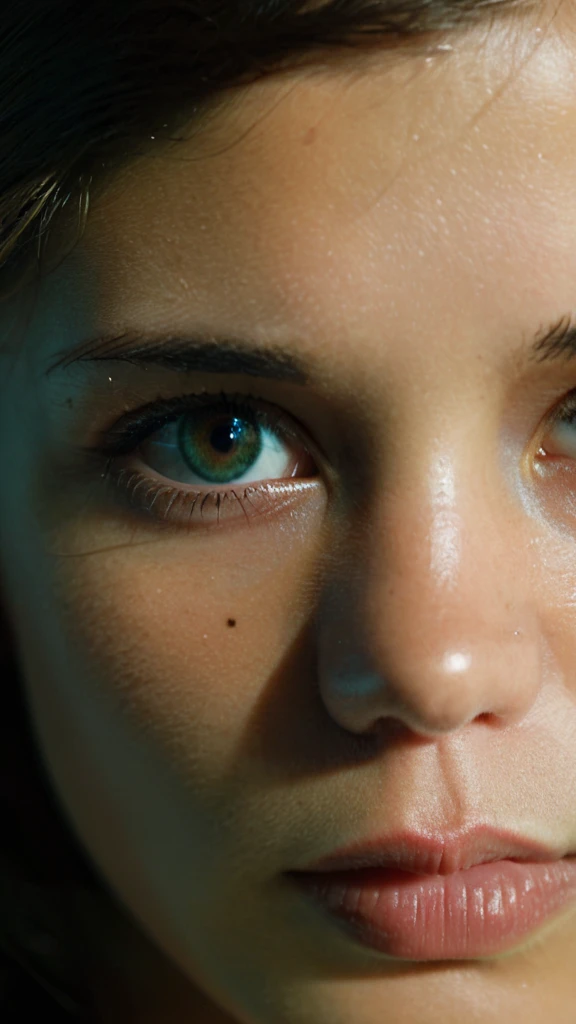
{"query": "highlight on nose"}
pixel 361 701
pixel 431 693
pixel 455 662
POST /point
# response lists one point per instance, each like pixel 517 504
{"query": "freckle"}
pixel 231 622
pixel 310 136
pixel 69 403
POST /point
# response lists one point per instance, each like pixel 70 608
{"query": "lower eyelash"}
pixel 143 495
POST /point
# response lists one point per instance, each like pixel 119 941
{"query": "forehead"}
pixel 370 187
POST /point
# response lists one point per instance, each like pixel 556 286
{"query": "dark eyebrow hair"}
pixel 210 353
pixel 189 353
pixel 558 341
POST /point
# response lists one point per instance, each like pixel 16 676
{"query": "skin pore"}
pixel 404 229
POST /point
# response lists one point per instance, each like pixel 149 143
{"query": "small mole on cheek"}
pixel 310 135
pixel 69 403
pixel 231 622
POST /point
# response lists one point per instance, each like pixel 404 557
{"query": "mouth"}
pixel 436 854
pixel 430 897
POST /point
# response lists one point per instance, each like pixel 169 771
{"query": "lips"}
pixel 459 895
pixel 436 854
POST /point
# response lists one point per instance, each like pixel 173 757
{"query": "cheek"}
pixel 552 577
pixel 143 696
pixel 145 631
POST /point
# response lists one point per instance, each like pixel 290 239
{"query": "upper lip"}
pixel 436 853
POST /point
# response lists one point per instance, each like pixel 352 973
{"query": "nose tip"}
pixel 432 618
pixel 435 693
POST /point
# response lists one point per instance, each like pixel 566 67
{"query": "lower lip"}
pixel 488 909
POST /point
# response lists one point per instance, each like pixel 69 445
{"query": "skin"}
pixel 404 227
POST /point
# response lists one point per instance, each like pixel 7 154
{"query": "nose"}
pixel 428 617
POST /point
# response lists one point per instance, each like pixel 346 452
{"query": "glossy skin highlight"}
pixel 405 637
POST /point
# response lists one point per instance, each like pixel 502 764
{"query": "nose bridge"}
pixel 446 522
pixel 441 542
pixel 433 624
pixel 442 507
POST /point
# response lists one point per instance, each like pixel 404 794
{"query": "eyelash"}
pixel 126 435
pixel 567 411
pixel 564 412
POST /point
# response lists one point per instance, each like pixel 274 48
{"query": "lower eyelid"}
pixel 164 504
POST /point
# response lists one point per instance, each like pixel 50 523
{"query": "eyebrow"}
pixel 210 353
pixel 189 353
pixel 558 341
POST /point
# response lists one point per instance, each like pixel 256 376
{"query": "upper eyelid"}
pixel 567 405
pixel 170 409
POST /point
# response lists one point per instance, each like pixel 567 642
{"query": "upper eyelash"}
pixel 567 410
pixel 136 426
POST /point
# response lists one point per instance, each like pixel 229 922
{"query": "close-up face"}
pixel 288 542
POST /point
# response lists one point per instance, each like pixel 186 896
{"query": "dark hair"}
pixel 83 87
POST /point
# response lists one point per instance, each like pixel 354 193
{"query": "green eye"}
pixel 560 438
pixel 199 445
pixel 218 445
pixel 219 448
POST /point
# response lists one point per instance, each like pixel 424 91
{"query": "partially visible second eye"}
pixel 560 437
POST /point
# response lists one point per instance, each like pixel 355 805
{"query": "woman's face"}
pixel 229 677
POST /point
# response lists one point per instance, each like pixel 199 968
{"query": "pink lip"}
pixel 430 897
pixel 436 854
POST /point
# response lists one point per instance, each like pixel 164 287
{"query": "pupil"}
pixel 223 437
